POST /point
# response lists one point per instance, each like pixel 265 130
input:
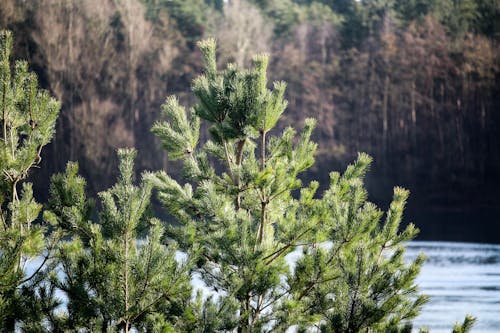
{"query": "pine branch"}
pixel 276 254
pixel 55 241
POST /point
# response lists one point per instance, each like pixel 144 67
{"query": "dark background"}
pixel 414 83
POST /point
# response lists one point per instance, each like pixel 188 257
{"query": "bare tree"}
pixel 242 32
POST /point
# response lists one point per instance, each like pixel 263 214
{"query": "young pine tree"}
pixel 240 224
pixel 237 226
pixel 116 274
pixel 27 119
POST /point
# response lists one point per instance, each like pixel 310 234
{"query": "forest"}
pixel 413 83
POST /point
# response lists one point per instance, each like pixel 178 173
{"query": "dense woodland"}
pixel 413 83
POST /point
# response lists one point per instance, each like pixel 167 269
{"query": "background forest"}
pixel 413 83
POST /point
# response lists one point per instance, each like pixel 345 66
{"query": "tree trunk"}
pixel 413 116
pixel 385 118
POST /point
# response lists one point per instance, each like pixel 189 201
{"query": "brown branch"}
pixel 228 160
pixel 239 158
pixel 4 116
pixel 278 252
pixel 52 246
pixel 146 281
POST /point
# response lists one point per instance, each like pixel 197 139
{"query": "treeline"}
pixel 413 83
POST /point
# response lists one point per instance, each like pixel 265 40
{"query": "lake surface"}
pixel 460 278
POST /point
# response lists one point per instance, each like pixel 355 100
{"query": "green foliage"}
pixel 364 268
pixel 114 277
pixel 191 16
pixel 458 17
pixel 488 21
pixel 238 225
pixel 414 9
pixel 179 137
pixel 465 326
pixel 287 14
pixel 241 212
pixel 27 120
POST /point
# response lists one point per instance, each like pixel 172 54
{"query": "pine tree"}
pixel 27 119
pixel 361 282
pixel 116 274
pixel 275 254
pixel 240 224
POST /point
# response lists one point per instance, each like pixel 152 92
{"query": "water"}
pixel 460 278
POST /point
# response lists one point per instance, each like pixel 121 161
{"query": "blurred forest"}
pixel 414 83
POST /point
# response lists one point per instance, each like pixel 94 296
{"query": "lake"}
pixel 460 278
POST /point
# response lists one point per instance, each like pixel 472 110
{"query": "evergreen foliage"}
pixel 273 253
pixel 191 16
pixel 239 225
pixel 115 277
pixel 27 120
